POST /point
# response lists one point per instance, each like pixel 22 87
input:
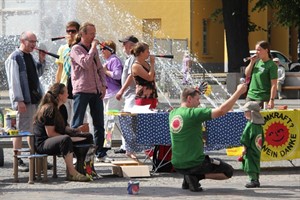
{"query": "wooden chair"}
pixel 37 164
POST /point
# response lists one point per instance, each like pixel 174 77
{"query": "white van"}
pixel 288 64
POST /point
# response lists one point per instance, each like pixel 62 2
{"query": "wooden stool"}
pixel 54 174
pixel 36 164
pixel 15 162
pixel 41 164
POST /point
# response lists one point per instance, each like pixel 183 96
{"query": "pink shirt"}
pixel 86 75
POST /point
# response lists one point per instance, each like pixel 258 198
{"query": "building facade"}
pixel 188 21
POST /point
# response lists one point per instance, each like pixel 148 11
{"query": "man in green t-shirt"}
pixel 188 156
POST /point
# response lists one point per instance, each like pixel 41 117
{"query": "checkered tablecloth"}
pixel 143 131
pixel 225 131
pixel 153 129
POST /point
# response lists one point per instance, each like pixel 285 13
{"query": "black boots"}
pixel 253 184
pixel 192 183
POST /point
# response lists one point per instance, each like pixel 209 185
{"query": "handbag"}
pixel 70 88
pixel 89 164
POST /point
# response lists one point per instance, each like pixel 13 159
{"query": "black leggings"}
pixel 62 144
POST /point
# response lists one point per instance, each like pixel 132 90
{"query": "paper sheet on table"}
pixel 141 109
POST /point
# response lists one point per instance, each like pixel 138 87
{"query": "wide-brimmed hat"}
pixel 130 38
pixel 254 107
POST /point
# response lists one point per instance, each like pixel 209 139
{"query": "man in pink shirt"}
pixel 89 84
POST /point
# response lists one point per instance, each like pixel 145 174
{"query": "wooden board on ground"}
pixel 130 168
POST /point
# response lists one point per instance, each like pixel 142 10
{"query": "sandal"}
pixel 133 157
pixel 78 177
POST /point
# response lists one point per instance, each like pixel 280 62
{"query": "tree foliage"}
pixel 237 23
pixel 287 11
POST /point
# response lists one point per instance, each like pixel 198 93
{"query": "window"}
pixel 149 26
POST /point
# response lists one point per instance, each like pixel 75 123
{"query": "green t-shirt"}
pixel 186 136
pixel 262 74
pixel 253 139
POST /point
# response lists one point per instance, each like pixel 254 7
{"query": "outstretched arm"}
pixel 228 104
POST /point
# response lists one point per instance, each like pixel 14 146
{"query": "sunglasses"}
pixel 104 48
pixel 71 31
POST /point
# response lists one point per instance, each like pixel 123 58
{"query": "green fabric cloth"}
pixel 253 139
pixel 262 74
pixel 186 136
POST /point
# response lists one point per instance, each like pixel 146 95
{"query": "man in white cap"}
pixel 127 90
pixel 281 77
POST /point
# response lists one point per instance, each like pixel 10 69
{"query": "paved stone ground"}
pixel 279 180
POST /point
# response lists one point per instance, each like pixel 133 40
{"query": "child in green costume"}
pixel 252 139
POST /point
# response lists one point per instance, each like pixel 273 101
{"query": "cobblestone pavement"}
pixel 279 180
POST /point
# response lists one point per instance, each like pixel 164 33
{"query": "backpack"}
pixel 162 152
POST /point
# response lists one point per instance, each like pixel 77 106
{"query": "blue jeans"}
pixel 81 100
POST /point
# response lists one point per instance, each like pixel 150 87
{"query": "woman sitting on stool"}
pixel 52 136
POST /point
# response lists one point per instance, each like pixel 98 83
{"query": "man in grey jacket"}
pixel 25 89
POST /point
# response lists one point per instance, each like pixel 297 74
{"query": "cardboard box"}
pixel 130 169
pixel 135 171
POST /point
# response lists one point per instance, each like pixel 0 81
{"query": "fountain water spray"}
pixel 113 24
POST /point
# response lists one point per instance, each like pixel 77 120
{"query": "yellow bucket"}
pixel 234 151
pixel 13 132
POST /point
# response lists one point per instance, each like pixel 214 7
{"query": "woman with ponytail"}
pixel 52 135
pixel 263 73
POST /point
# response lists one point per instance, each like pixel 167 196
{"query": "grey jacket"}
pixel 18 80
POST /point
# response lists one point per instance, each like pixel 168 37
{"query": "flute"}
pixel 164 56
pixel 58 38
pixel 48 53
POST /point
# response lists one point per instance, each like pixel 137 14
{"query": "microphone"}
pixel 164 56
pixel 57 38
pixel 245 80
pixel 248 58
pixel 48 53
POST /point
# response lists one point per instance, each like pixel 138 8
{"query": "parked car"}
pixel 287 63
